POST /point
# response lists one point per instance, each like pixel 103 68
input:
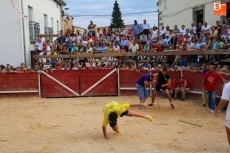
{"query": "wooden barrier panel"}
pixel 98 82
pixel 128 79
pixel 18 82
pixel 51 88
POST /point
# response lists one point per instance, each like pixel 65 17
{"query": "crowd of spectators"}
pixel 139 38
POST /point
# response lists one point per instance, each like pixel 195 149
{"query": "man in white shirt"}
pixel 206 27
pixel 183 30
pixel 134 47
pixel 224 99
pixel 77 37
pixel 145 28
pixel 193 26
pixel 38 46
pixel 163 30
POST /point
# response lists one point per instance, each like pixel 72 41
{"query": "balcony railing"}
pixel 48 30
pixel 34 30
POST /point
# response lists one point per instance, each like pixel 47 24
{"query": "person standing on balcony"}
pixel 145 28
pixel 136 29
pixel 92 28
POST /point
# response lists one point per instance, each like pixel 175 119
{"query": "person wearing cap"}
pixel 137 29
pixel 113 110
pixel 163 81
pixel 167 39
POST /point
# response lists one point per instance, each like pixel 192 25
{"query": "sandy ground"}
pixel 33 125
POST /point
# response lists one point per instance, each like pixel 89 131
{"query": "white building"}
pixel 184 12
pixel 19 35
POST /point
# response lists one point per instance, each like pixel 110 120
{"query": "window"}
pixel 30 13
pixel 45 20
pixel 52 23
pixel 34 27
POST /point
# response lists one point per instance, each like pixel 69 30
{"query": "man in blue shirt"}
pixel 124 43
pixel 167 39
pixel 136 29
pixel 62 38
pixel 141 84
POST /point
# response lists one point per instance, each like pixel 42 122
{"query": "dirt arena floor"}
pixel 73 125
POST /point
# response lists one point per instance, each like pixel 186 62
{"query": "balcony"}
pixel 34 31
pixel 61 2
pixel 48 30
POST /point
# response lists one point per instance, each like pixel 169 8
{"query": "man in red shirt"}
pixel 155 47
pixel 209 82
pixel 182 87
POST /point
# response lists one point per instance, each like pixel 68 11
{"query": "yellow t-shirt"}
pixel 110 50
pixel 114 107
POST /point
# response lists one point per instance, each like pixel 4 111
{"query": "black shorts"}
pixel 158 87
pixel 114 123
pixel 146 31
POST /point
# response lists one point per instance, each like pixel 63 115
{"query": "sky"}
pixel 105 7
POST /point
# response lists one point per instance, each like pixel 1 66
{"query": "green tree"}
pixel 116 21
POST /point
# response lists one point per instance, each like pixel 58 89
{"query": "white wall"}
pixel 11 50
pixel 180 12
pixel 11 42
pixel 41 7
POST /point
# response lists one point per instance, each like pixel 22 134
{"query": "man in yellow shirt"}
pixel 113 110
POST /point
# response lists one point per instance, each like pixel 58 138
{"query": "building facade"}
pixel 19 35
pixel 127 26
pixel 184 12
pixel 67 23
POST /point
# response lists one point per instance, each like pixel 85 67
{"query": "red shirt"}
pixel 211 80
pixel 157 47
pixel 180 39
pixel 171 85
pixel 184 56
pixel 181 83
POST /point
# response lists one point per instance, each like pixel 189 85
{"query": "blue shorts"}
pixel 142 92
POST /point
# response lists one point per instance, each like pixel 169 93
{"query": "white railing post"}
pixel 39 85
pixel 118 81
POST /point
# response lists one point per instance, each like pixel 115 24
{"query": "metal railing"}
pixel 34 31
pixel 48 30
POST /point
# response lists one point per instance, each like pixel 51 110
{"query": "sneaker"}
pixel 211 111
pixel 204 105
pixel 220 111
pixel 141 107
pixel 172 105
pixel 148 117
pixel 151 104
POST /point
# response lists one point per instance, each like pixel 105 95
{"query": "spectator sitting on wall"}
pixel 182 87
